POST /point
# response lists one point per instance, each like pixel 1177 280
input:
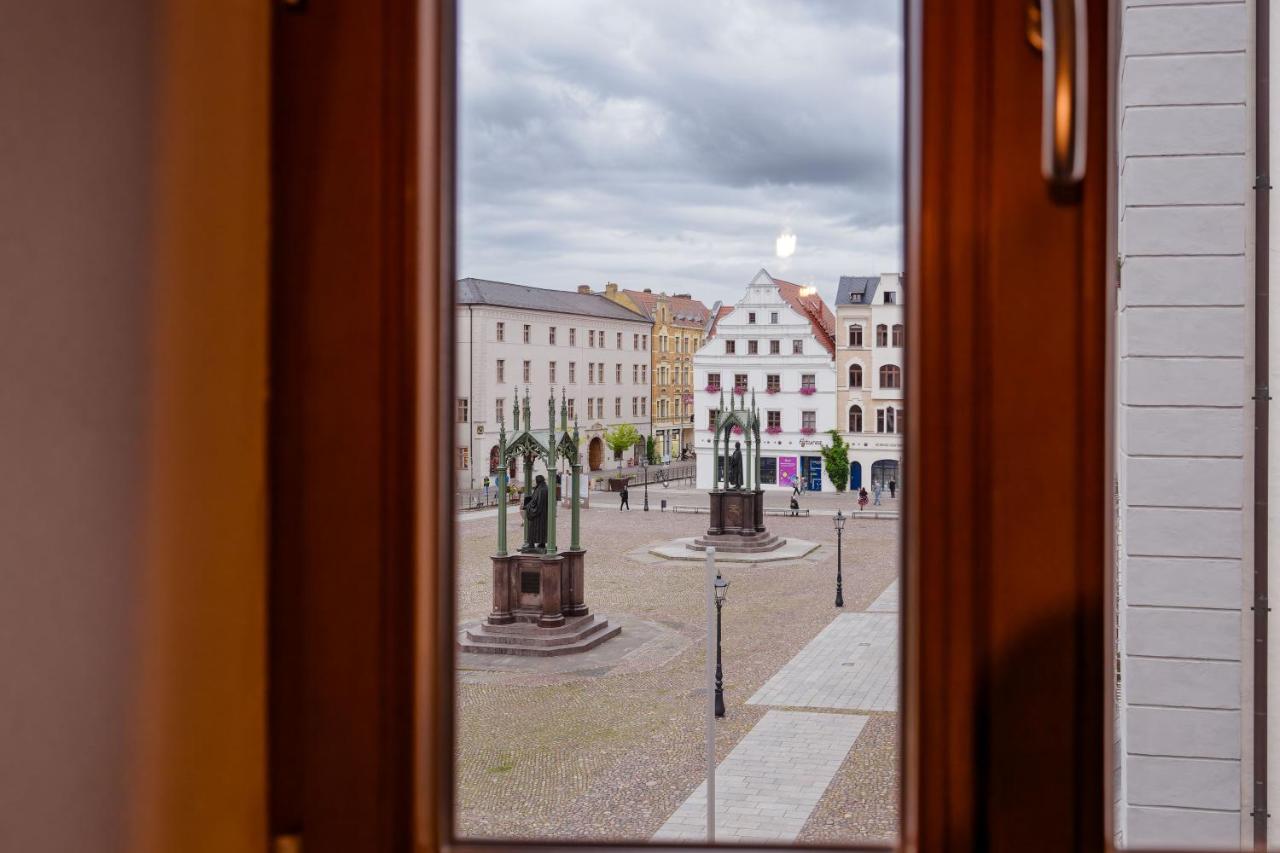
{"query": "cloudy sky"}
pixel 667 143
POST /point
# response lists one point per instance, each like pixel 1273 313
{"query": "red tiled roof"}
pixel 684 308
pixel 811 306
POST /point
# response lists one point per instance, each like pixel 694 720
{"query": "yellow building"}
pixel 679 327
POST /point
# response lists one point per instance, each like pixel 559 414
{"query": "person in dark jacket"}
pixel 624 504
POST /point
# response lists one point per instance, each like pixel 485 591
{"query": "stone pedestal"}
pixel 538 608
pixel 737 523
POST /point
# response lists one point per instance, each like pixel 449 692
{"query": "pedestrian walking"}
pixel 876 489
pixel 624 503
pixel 862 498
pixel 893 488
pixel 486 489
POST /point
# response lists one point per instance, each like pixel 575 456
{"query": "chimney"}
pixel 584 288
pixel 648 290
pixel 610 289
pixel 683 296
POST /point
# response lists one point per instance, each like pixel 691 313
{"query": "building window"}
pixel 662 408
pixel 644 405
pixel 890 298
pixel 600 338
pixel 619 340
pixel 752 347
pixel 855 335
pixel 552 371
pixel 855 419
pixel 797 347
pixel 462 410
pixel 730 347
pixel 882 335
pixel 711 418
pixel 635 407
pixel 502 370
pixel 635 341
pixel 713 381
pixel 644 373
pixel 644 342
pixel 662 343
pixel 773 419
pixel 885 420
pixel 591 408
pixel 635 374
pixel 502 331
pixel 899 423
pixel 617 407
pixel 617 373
pixel 773 383
pixel 600 405
pixel 573 372
pixel 739 382
pixel 528 331
pixel 662 375
pixel 891 376
pixel 808 421
pixel 526 371
pixel 775 347
pixel 899 335
pixel 879 420
pixel 571 414
pixel 500 410
pixel 573 337
pixel 855 376
pixel 773 317
pixel 751 317
pixel 807 380
pixel 464 458
pixel 591 337
pixel 551 336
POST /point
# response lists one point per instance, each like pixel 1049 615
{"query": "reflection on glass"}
pixel 652 374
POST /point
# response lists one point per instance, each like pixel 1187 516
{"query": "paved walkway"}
pixel 770 783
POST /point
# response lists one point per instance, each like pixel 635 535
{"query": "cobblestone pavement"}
pixel 611 753
pixel 772 780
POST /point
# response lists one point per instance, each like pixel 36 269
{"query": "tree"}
pixel 836 460
pixel 651 451
pixel 619 438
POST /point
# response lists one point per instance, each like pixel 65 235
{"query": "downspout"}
pixel 471 395
pixel 1261 400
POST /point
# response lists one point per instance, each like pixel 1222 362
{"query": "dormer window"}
pixel 890 298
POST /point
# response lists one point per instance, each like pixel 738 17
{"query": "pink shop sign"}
pixel 787 467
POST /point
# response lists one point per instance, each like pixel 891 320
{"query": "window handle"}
pixel 1058 29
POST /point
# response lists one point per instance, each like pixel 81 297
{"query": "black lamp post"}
pixel 644 468
pixel 721 587
pixel 839 520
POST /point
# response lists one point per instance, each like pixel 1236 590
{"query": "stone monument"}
pixel 737 501
pixel 538 606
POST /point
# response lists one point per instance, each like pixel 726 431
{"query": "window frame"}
pixel 972 616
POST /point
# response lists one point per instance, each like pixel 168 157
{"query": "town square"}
pixel 608 743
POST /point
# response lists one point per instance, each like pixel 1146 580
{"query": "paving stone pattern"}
pixel 851 665
pixel 772 780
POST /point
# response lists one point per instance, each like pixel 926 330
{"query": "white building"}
pixel 512 338
pixel 777 341
pixel 870 336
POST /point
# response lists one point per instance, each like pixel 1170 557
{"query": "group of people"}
pixel 877 489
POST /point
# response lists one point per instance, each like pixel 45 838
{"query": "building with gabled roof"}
pixel 870 338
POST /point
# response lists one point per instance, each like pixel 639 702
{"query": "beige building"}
pixel 870 336
pixel 679 327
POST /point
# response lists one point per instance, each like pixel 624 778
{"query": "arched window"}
pixel 855 375
pixel 882 335
pixel 899 335
pixel 891 377
pixel 855 335
pixel 855 419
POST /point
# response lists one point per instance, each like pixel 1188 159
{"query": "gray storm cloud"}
pixel 667 144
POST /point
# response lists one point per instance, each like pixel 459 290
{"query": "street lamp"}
pixel 644 468
pixel 839 521
pixel 721 587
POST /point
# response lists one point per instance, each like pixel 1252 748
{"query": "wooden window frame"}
pixel 361 611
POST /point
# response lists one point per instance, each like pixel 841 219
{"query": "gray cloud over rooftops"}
pixel 665 144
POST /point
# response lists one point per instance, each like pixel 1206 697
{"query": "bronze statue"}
pixel 535 513
pixel 735 466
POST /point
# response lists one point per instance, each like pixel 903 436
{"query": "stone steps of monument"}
pixel 528 634
pixel 483 645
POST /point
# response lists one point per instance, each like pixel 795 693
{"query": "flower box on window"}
pixel 807 430
pixel 712 388
pixel 808 389
pixel 771 390
pixel 774 430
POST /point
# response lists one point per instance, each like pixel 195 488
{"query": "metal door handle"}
pixel 1061 37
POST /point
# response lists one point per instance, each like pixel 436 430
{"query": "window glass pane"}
pixel 681 177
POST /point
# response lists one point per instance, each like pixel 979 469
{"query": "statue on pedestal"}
pixel 535 514
pixel 735 466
